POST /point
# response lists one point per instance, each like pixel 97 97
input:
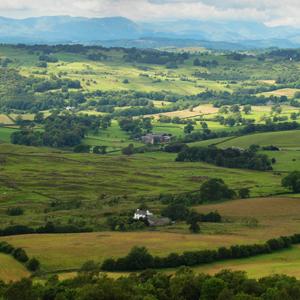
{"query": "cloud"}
pixel 273 12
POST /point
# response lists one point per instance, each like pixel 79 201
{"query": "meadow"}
pixel 60 186
pixel 11 270
pixel 34 178
pixel 67 252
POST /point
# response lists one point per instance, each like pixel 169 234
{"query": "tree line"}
pixel 152 285
pixel 60 130
pixel 229 158
pixel 140 259
pixel 19 254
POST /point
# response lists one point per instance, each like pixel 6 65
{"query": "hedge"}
pixel 139 258
pixel 32 264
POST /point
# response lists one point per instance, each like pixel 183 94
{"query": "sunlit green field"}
pixel 67 252
pixel 282 139
pixel 33 178
pixel 284 262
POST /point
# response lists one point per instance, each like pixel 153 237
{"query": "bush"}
pixel 215 189
pixel 175 211
pixel 244 193
pixel 20 255
pixel 15 211
pixel 82 148
pixel 292 181
pixel 33 265
pixel 6 248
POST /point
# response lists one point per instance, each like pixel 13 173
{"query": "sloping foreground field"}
pixel 70 251
pixel 283 262
pixel 275 216
pixel 10 269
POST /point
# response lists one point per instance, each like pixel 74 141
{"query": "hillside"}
pixel 76 164
pixel 122 32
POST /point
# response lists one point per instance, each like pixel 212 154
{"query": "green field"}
pixel 84 189
pixel 284 262
pixel 282 139
pixel 70 251
pixel 33 178
pixel 10 269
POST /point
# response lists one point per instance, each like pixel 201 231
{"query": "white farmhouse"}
pixel 142 214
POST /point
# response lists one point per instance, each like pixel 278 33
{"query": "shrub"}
pixel 244 193
pixel 20 255
pixel 215 189
pixel 33 264
pixel 292 181
pixel 15 211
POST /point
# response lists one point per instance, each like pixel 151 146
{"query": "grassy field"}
pixel 290 93
pixel 67 188
pixel 204 109
pixel 282 139
pixel 69 251
pixel 10 269
pixel 5 134
pixel 35 177
pixel 284 262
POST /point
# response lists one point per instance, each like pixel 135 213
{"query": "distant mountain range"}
pixel 119 31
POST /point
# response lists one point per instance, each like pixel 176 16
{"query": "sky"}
pixel 270 12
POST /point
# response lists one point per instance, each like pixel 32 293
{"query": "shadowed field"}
pixel 10 269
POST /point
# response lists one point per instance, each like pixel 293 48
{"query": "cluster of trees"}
pixel 292 181
pixel 55 84
pixel 230 157
pixel 140 259
pixel 205 63
pixel 48 58
pixel 49 227
pixel 15 211
pixel 248 129
pixel 149 56
pixel 35 94
pixel 61 130
pixel 150 284
pixel 212 189
pixel 286 54
pixel 179 212
pixel 125 223
pixel 136 127
pixel 235 119
pixel 4 62
pixel 97 56
pixel 32 264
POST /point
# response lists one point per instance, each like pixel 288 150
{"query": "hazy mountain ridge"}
pixel 119 31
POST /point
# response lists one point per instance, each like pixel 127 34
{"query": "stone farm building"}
pixel 153 139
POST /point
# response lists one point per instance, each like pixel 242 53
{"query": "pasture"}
pixel 284 262
pixel 282 139
pixel 64 252
pixel 290 93
pixel 33 178
pixel 10 269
